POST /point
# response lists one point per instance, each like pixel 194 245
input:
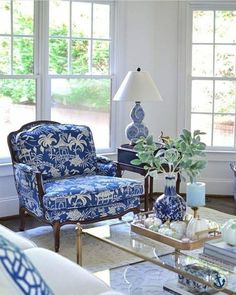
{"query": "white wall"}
pixel 147 38
pixel 150 38
pixel 151 41
pixel 8 197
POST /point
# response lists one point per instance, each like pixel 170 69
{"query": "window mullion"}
pixel 43 58
pixel 213 93
pixel 235 115
pixel 91 42
pixel 11 64
pixel 70 40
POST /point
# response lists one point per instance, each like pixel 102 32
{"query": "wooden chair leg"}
pixel 22 219
pixel 56 230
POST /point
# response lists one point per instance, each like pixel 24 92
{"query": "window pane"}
pixel 225 27
pixel 225 60
pixel 23 15
pixel 17 107
pixel 23 62
pixel 101 21
pixel 101 57
pixel 202 60
pixel 5 17
pixel 224 130
pixel 203 26
pixel 58 56
pixel 202 96
pixel 59 16
pixel 80 56
pixel 225 97
pixel 5 55
pixel 202 122
pixel 81 19
pixel 83 101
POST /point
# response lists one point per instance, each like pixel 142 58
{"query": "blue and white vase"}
pixel 136 129
pixel 170 205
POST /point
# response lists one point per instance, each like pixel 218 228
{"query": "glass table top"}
pixel 185 263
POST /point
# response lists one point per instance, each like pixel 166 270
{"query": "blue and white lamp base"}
pixel 136 129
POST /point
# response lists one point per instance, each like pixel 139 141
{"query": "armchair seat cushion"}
pixel 88 191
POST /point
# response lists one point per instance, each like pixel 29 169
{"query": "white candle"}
pixel 196 194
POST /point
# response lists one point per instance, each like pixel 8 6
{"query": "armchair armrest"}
pixel 106 166
pixel 30 187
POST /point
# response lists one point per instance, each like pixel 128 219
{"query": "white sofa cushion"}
pixel 18 274
pixel 111 293
pixel 18 240
pixel 64 276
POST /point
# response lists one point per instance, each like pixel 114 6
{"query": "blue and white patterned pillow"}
pixel 18 274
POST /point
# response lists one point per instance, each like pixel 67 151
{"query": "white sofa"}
pixel 61 275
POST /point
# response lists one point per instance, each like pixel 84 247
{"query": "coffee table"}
pixel 120 236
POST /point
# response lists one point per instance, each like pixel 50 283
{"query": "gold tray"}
pixel 177 244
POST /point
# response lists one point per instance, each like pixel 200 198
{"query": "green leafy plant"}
pixel 183 155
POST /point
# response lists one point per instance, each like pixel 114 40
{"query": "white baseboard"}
pixel 222 187
pixel 9 206
pixel 214 186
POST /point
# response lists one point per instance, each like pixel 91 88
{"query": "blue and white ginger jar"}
pixel 170 206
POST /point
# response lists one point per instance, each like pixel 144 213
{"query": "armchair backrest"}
pixel 55 149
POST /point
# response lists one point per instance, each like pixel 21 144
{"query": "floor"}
pixel 223 204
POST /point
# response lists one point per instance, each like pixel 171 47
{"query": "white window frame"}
pixel 42 76
pixel 34 76
pixel 46 87
pixel 184 66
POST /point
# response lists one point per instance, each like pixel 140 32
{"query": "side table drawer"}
pixel 126 155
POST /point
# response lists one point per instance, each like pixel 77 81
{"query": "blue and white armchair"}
pixel 60 179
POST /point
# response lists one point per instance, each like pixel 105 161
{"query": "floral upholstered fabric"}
pixel 91 213
pixel 26 186
pixel 57 150
pixel 105 166
pixel 89 191
pixel 59 177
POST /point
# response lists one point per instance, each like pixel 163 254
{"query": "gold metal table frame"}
pixel 175 256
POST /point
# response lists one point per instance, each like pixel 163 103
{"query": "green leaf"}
pixel 153 173
pixel 184 153
pixel 136 162
pixel 149 139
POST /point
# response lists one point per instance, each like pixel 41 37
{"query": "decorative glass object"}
pixel 170 205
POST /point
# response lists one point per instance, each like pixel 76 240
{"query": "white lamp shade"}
pixel 138 86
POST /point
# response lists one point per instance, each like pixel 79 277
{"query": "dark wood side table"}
pixel 125 154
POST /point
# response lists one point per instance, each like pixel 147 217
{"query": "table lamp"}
pixel 137 86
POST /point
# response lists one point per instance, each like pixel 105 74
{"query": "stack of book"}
pixel 221 253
